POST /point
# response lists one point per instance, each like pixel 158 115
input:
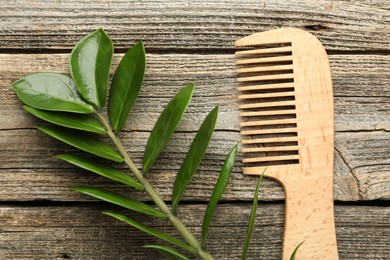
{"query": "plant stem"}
pixel 176 222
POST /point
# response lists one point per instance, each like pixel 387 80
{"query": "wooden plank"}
pixel 361 100
pixel 192 25
pixel 60 229
pixel 81 232
pixel 362 113
pixel 28 171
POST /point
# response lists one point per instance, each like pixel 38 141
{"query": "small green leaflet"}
pixel 101 169
pixel 120 200
pixel 219 189
pixel 252 218
pixel 51 91
pixel 166 126
pixel 126 85
pixel 194 156
pixel 83 142
pixel 90 63
pixel 169 253
pixel 152 231
pixel 76 121
pixel 295 251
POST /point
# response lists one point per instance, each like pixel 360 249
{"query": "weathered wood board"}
pixel 81 232
pixel 190 41
pixel 362 123
pixel 192 25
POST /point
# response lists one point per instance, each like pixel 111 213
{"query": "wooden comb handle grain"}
pixel 308 176
pixel 310 218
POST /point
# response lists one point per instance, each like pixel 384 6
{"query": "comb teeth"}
pixel 282 49
pixel 267 105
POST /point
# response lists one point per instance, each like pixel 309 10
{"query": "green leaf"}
pixel 295 251
pixel 194 156
pixel 75 121
pixel 169 253
pixel 219 189
pixel 252 218
pixel 83 142
pixel 126 85
pixel 153 232
pixel 101 169
pixel 90 63
pixel 166 125
pixel 120 200
pixel 51 91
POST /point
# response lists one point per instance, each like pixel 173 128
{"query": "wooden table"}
pixel 190 41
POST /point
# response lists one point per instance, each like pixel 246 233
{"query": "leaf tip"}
pixel 64 157
pixel 296 250
pixel 60 156
pixel 108 213
pixel 15 85
pixel 235 147
pixel 191 85
pixel 75 188
pixel 118 159
pixel 191 88
pixel 100 30
pixel 114 215
pixel 140 43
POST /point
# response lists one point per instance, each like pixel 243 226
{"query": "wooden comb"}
pixel 287 124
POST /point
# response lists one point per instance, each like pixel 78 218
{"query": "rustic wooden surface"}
pixel 80 232
pixel 190 41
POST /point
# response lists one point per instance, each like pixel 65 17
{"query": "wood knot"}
pixel 316 27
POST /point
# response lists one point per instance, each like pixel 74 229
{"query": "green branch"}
pixel 175 221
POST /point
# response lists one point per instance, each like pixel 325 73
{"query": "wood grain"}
pixel 191 25
pixel 81 232
pixel 361 99
pixel 28 171
pixel 189 41
pixel 362 116
pixel 307 172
